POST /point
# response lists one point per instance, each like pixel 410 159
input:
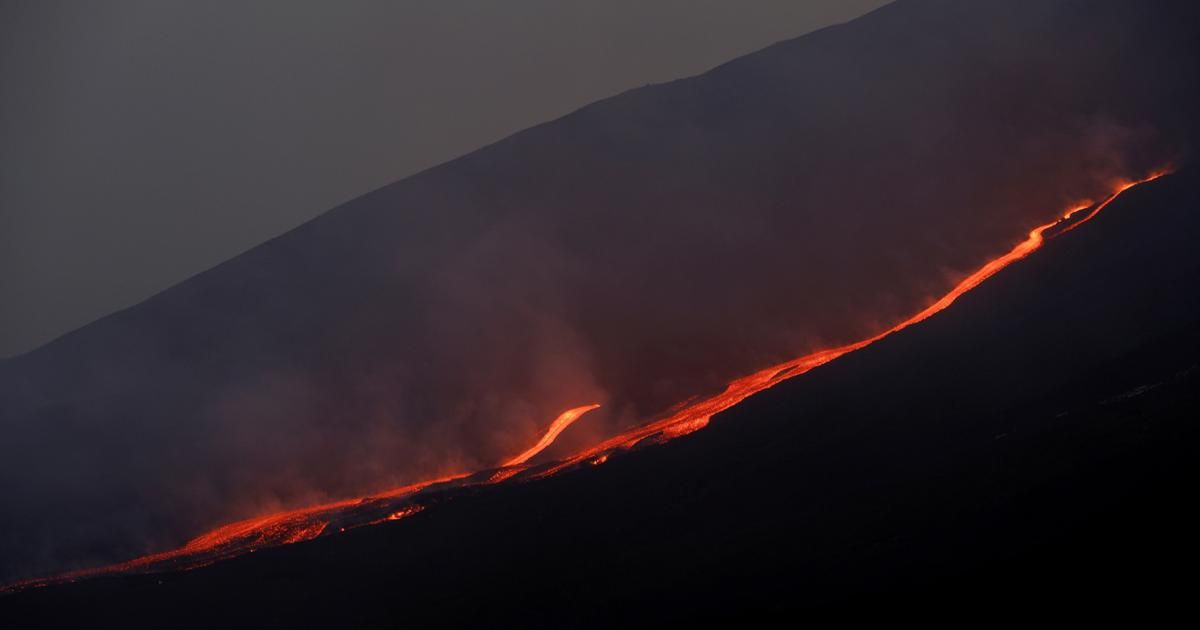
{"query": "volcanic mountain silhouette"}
pixel 1033 444
pixel 640 251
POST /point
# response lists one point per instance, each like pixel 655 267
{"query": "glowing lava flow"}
pixel 400 503
pixel 695 416
pixel 1120 189
pixel 560 423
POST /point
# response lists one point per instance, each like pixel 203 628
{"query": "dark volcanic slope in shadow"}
pixel 636 252
pixel 1033 445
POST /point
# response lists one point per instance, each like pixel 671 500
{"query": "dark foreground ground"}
pixel 1034 446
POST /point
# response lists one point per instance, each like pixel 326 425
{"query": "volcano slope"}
pixel 642 250
pixel 1033 445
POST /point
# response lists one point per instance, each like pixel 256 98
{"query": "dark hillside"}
pixel 1033 446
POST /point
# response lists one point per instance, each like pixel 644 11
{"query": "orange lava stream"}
pixel 695 416
pixel 561 423
pixel 308 523
pixel 1120 189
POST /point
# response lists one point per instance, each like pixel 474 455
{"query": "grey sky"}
pixel 143 142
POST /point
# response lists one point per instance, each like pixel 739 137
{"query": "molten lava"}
pixel 1096 210
pixel 401 503
pixel 558 426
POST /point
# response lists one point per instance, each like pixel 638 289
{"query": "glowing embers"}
pixel 303 533
pixel 505 473
pixel 405 513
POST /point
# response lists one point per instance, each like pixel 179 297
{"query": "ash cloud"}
pixel 639 251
